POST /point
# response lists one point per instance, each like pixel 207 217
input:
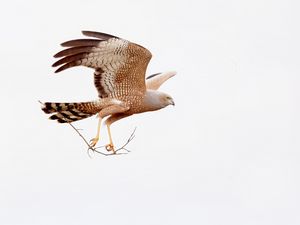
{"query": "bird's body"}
pixel 119 78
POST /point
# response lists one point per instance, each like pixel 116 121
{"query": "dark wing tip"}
pixel 81 42
pixel 78 49
pixel 57 55
pixel 153 75
pixel 67 65
pixel 75 59
pixel 63 67
pixel 100 35
pixel 61 61
pixel 74 51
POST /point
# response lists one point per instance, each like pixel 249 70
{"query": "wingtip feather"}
pixel 172 73
pixel 100 35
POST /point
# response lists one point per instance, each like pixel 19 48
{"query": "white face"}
pixel 166 100
pixel 170 100
pixel 157 100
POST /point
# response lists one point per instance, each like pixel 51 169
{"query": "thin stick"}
pixel 102 153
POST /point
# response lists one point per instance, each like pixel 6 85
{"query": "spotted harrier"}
pixel 119 77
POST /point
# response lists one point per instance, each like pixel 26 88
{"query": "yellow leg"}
pixel 110 146
pixel 94 141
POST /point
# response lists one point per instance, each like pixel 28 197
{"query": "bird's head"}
pixel 155 100
pixel 166 99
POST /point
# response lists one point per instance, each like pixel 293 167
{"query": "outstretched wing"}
pixel 154 81
pixel 119 65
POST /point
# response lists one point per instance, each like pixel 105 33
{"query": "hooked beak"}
pixel 172 102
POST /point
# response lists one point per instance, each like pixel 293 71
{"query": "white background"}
pixel 228 153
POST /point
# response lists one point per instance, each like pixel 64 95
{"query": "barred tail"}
pixel 70 112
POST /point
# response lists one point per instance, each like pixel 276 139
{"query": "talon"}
pixel 94 141
pixel 110 147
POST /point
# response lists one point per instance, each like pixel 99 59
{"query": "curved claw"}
pixel 94 141
pixel 110 147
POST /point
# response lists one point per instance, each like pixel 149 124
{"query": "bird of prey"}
pixel 119 77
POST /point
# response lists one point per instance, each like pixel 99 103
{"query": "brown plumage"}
pixel 119 78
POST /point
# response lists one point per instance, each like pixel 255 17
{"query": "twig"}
pixel 116 152
pixel 132 136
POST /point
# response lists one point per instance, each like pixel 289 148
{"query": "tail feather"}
pixel 70 112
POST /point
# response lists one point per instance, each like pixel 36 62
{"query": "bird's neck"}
pixel 152 100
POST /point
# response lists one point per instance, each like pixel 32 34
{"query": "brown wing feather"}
pixel 122 64
pixel 74 50
pixel 99 35
pixel 81 42
pixel 70 58
pixel 66 66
